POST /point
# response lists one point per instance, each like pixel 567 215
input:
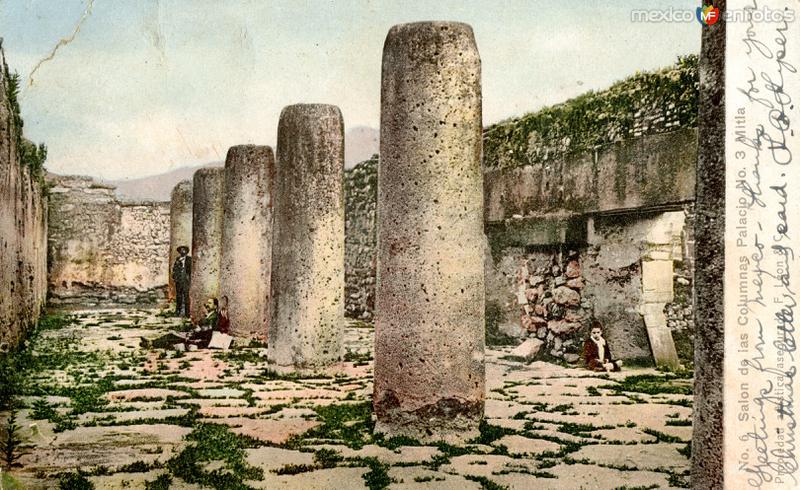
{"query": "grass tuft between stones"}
pixel 163 482
pixel 378 475
pixel 653 384
pixel 350 423
pixel 486 484
pixel 74 481
pixel 212 442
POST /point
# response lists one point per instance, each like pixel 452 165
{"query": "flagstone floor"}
pixel 100 408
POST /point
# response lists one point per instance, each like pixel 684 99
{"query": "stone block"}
pixel 538 321
pixel 536 280
pixel 512 329
pixel 220 341
pixel 657 281
pixel 528 349
pixel 561 327
pixel 526 323
pixel 663 347
pixel 565 296
pixel 576 283
pixel 653 314
pixel 573 269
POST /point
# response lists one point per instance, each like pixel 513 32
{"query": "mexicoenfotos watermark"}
pixel 709 15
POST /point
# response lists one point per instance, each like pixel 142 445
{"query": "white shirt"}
pixel 601 350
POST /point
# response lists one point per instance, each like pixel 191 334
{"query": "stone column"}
pixel 206 239
pixel 709 275
pixel 247 238
pixel 180 226
pixel 429 332
pixel 307 309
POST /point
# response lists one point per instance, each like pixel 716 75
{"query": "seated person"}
pixel 216 318
pixel 596 353
pixel 223 320
pixel 211 309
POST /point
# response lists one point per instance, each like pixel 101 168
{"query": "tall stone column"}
pixel 307 309
pixel 206 239
pixel 429 332
pixel 708 449
pixel 180 225
pixel 247 238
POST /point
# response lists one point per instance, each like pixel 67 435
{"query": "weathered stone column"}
pixel 247 238
pixel 206 239
pixel 708 449
pixel 180 226
pixel 429 332
pixel 307 309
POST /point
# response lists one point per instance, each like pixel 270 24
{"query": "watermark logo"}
pixel 708 15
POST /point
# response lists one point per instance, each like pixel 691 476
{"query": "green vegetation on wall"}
pixel 361 184
pixel 31 156
pixel 645 103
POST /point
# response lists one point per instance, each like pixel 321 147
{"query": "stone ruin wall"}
pixel 23 233
pixel 578 229
pixel 605 181
pixel 360 197
pixel 546 286
pixel 104 251
pixel 88 222
pixel 643 104
pixel 553 292
pixel 608 234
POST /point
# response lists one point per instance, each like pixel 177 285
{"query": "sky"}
pixel 126 89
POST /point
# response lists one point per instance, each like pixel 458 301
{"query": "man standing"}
pixel 181 276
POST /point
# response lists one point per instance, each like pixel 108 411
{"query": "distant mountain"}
pixel 360 143
pixel 156 187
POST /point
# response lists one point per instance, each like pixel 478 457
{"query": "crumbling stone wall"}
pixel 644 104
pixel 534 216
pixel 554 289
pixel 360 194
pixel 104 251
pixel 602 175
pixel 607 206
pixel 550 300
pixel 23 231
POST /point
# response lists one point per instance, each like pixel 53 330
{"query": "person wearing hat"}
pixel 181 276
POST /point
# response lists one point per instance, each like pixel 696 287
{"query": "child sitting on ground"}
pixel 223 320
pixel 596 353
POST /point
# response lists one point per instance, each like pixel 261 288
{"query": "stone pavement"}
pixel 98 407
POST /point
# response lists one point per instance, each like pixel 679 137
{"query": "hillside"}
pixel 361 143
